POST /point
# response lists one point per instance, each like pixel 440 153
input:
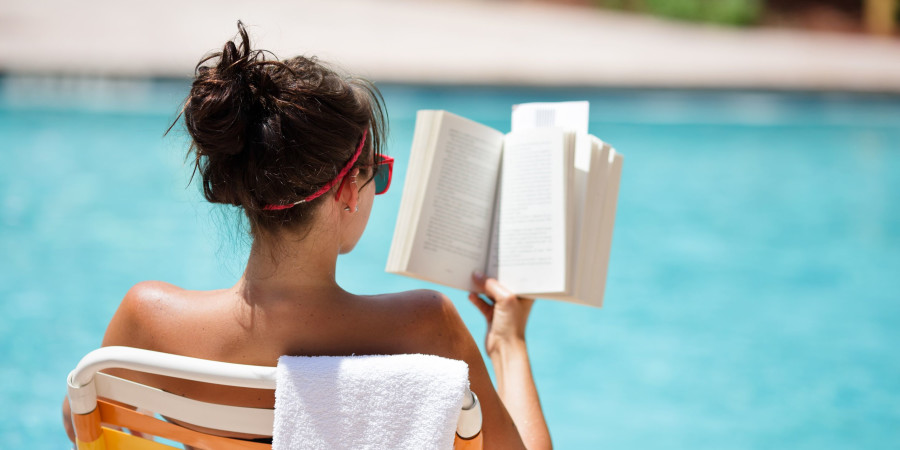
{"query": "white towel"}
pixel 368 402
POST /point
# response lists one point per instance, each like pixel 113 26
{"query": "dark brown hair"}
pixel 269 132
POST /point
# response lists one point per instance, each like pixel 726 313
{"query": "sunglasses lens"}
pixel 382 178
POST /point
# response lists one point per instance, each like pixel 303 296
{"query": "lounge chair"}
pixel 96 402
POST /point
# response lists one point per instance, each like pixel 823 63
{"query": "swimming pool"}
pixel 752 298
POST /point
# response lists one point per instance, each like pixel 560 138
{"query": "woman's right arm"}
pixel 507 316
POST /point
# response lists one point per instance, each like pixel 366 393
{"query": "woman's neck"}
pixel 288 265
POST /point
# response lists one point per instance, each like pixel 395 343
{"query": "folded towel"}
pixel 368 402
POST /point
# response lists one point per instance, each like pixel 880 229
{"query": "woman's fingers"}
pixel 497 291
pixel 486 309
pixel 506 313
pixel 478 280
pixel 491 287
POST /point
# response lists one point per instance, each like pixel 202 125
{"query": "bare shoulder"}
pixel 144 307
pixel 427 320
pixel 423 308
pixel 427 303
pixel 150 291
pixel 152 298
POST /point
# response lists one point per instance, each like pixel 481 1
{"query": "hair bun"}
pixel 221 104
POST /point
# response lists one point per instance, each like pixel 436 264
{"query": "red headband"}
pixel 330 184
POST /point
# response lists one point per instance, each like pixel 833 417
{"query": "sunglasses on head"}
pixel 383 171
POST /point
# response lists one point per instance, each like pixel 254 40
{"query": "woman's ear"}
pixel 349 190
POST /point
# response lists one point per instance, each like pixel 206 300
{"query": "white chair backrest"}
pixel 86 384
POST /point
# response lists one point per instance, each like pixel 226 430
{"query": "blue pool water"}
pixel 752 298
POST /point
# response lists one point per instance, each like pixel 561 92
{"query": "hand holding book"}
pixel 506 313
pixel 507 316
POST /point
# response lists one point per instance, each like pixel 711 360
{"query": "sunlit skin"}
pixel 287 302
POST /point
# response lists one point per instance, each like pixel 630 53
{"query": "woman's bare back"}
pixel 224 325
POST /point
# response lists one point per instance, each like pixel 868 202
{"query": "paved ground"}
pixel 449 41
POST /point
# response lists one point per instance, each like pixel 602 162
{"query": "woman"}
pixel 298 148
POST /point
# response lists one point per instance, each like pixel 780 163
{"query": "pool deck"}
pixel 448 41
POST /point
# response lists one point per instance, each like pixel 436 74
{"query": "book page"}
pixel 583 148
pixel 421 155
pixel 596 184
pixel 451 237
pixel 572 116
pixel 569 115
pixel 533 253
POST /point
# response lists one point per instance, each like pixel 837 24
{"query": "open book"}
pixel 534 208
